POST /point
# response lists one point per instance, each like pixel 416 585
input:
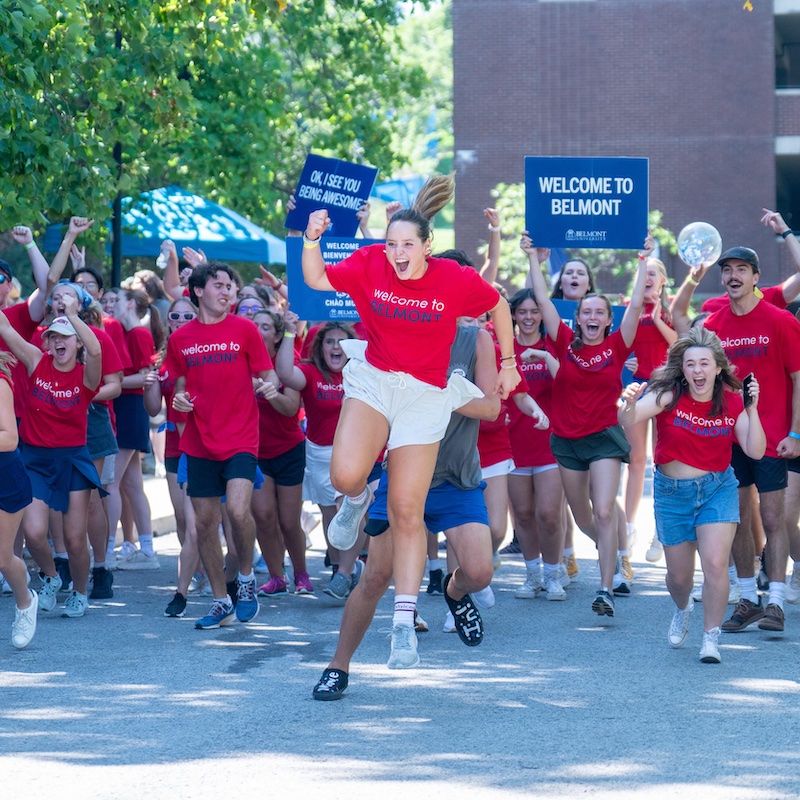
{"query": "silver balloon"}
pixel 699 243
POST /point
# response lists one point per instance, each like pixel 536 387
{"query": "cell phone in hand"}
pixel 746 389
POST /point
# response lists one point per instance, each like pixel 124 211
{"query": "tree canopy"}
pixel 224 97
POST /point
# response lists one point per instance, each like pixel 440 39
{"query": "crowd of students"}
pixel 449 419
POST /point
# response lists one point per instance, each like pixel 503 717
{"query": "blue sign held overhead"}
pixel 337 186
pixel 310 304
pixel 587 202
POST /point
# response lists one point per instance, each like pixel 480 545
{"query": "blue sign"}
pixel 587 202
pixel 311 304
pixel 341 188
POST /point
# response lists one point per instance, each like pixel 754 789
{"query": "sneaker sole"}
pixel 416 663
pixel 221 624
pixel 138 567
pixel 602 608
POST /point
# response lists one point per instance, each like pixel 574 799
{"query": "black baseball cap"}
pixel 6 267
pixel 743 254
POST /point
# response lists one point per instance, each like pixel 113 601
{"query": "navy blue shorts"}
pixel 446 507
pixel 207 478
pixel 288 468
pixel 768 474
pixel 15 488
pixel 133 423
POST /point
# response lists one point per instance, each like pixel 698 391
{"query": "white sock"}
pixel 435 563
pixel 623 553
pixel 404 607
pixel 732 574
pixel 146 544
pixel 748 587
pixel 62 555
pixel 776 592
pixel 550 570
pixel 359 499
pixel 99 564
pixel 631 528
pixel 535 565
pixel 568 551
pixel 247 578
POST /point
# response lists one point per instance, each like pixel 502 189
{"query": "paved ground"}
pixel 127 703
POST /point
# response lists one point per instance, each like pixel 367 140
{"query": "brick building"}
pixel 707 90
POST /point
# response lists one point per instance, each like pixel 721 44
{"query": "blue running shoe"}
pixel 220 614
pixel 246 602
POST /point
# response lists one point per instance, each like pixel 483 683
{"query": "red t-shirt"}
pixel 530 447
pixel 322 400
pixel 772 294
pixel 587 385
pixel 20 318
pixel 56 406
pixel 649 345
pixel 172 437
pixel 690 434
pixel 142 349
pixel 219 362
pixel 113 327
pixel 765 342
pixel 411 324
pixel 494 445
pixel 277 433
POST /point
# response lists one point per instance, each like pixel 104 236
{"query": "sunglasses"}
pixel 176 316
pixel 3 278
pixel 251 309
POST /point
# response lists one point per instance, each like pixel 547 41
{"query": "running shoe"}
pixel 331 685
pixel 102 581
pixel 735 592
pixel 420 626
pixel 358 571
pixel 76 605
pixel 469 625
pixel 220 614
pixel 127 549
pixel 404 648
pixel 62 567
pixel 260 566
pixel 49 592
pixel 449 625
pixel 339 587
pixel 554 590
pixel 621 586
pixel 435 582
pixel 709 652
pixel 176 607
pixel 793 588
pixel 343 528
pixel 24 626
pixel 603 604
pixel 679 627
pixel 138 560
pixel 302 583
pixel 511 549
pixel 773 619
pixel 531 587
pixel 656 550
pixel 273 587
pixel 198 583
pixel 247 603
pixel 563 575
pixel 232 590
pixel 745 614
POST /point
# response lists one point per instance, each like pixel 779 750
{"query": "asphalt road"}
pixel 555 703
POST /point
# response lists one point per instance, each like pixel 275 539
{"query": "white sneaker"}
pixel 734 593
pixel 792 594
pixel 484 598
pixel 76 605
pixel 127 549
pixel 24 625
pixel 697 593
pixel 679 627
pixel 138 560
pixel 554 589
pixel 197 582
pixel 343 528
pixel 449 623
pixel 308 521
pixel 563 576
pixel 404 647
pixel 709 652
pixel 49 592
pixel 531 587
pixel 656 550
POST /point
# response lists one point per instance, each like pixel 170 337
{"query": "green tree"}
pixel 224 97
pixel 510 203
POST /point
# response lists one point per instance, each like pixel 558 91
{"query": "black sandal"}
pixel 469 625
pixel 331 685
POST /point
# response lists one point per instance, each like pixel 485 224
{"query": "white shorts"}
pixel 317 486
pixel 530 471
pixel 417 412
pixel 500 468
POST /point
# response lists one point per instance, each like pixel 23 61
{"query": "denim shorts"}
pixel 681 504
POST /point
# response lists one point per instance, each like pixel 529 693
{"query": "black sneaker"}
pixel 512 548
pixel 62 567
pixel 232 588
pixel 603 604
pixel 102 581
pixel 331 685
pixel 435 582
pixel 469 625
pixel 176 607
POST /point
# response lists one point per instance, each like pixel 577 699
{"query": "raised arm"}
pixel 172 278
pixel 749 431
pixel 550 315
pixel 93 367
pixel 790 288
pixel 27 353
pixel 679 309
pixel 40 268
pixel 492 263
pixel 630 320
pixel 77 226
pixel 313 263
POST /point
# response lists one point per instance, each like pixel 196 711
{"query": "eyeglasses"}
pixel 87 284
pixel 251 309
pixel 176 316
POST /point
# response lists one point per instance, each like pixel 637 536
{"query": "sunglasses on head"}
pixel 176 316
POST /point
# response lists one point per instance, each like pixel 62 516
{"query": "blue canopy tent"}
pixel 190 221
